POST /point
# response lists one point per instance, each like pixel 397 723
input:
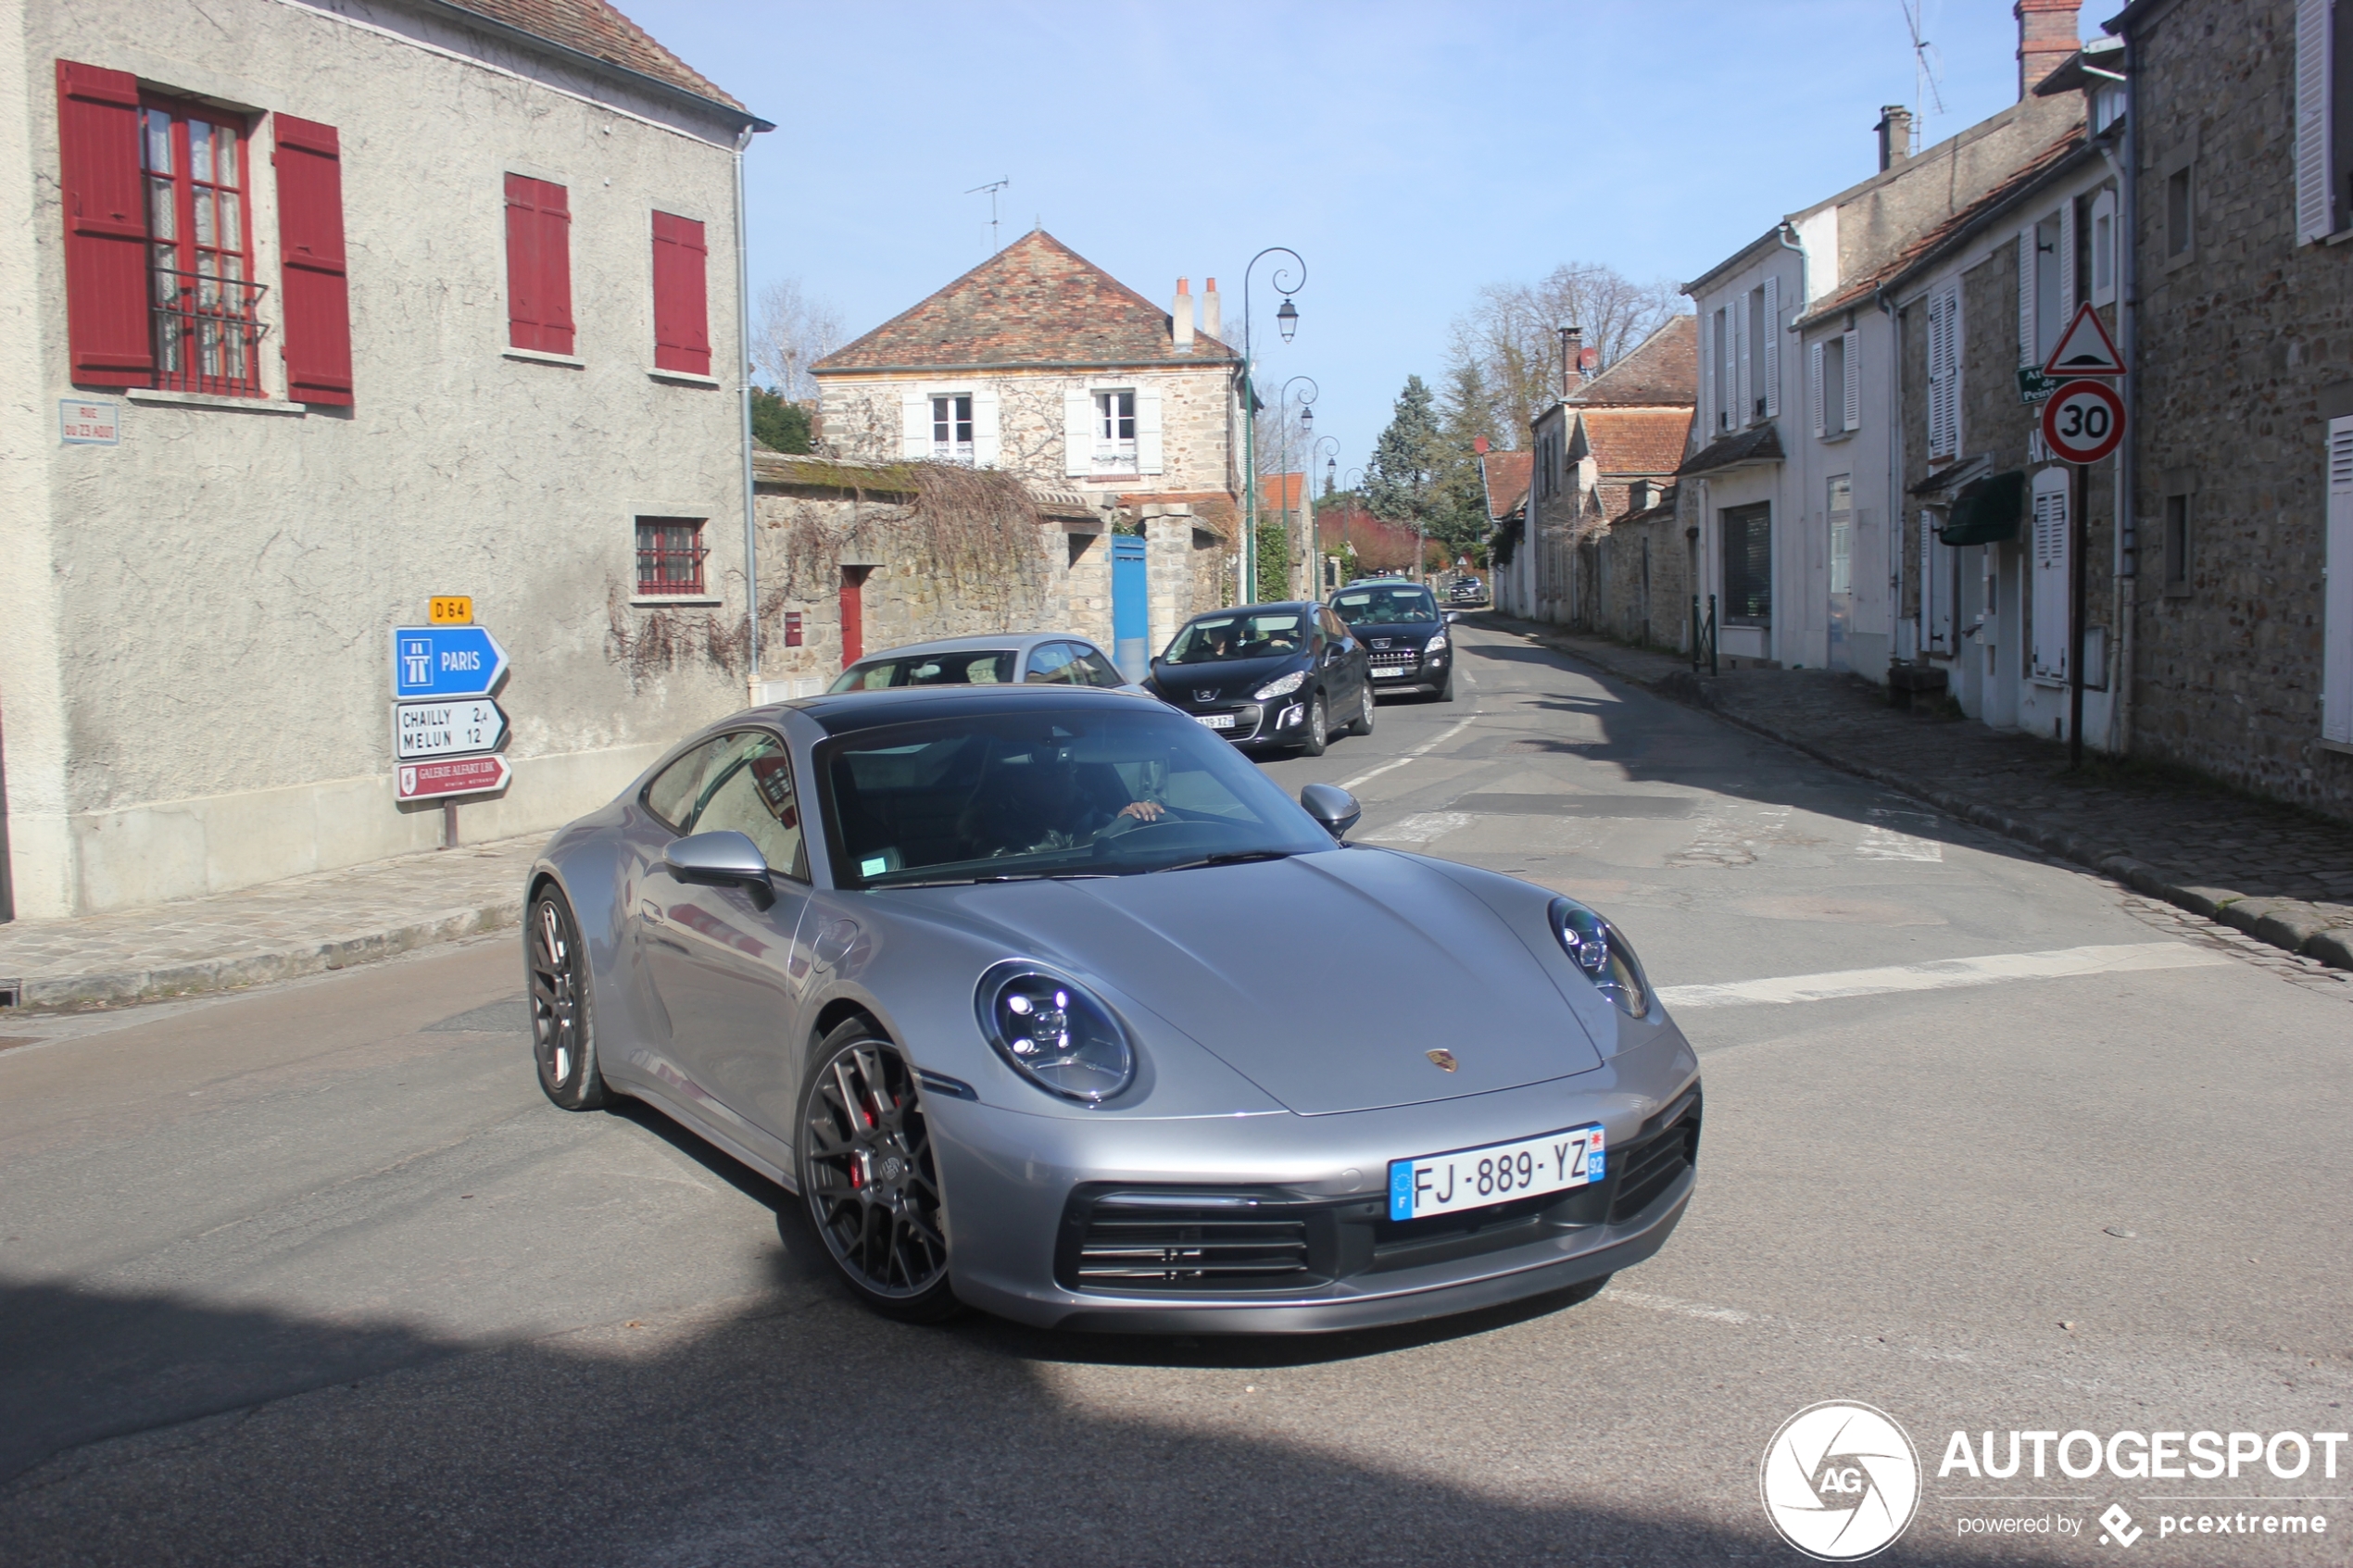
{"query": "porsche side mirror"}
pixel 1333 807
pixel 725 859
pixel 1452 616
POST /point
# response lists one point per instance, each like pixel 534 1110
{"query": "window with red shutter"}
pixel 107 283
pixel 681 316
pixel 316 296
pixel 538 265
pixel 204 303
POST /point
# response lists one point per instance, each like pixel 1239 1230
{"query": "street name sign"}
pixel 2084 349
pixel 450 610
pixel 85 422
pixel 446 661
pixel 446 729
pixel 2083 422
pixel 2032 385
pixel 455 776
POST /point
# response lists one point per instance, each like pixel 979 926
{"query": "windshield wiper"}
pixel 1229 858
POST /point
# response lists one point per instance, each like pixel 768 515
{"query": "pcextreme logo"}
pixel 1840 1481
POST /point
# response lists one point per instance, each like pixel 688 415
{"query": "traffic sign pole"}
pixel 2076 579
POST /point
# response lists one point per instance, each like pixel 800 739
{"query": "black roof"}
pixel 847 712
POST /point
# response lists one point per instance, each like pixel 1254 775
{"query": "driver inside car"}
pixel 1048 803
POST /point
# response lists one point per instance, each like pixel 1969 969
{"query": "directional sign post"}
pixel 446 661
pixel 422 729
pixel 454 777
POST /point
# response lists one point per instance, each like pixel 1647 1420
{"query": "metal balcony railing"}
pixel 207 332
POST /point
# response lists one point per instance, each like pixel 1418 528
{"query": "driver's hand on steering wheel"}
pixel 1144 811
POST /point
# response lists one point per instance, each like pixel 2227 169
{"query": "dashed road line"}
pixel 1942 974
pixel 1425 747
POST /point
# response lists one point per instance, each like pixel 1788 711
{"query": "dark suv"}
pixel 1268 675
pixel 1404 634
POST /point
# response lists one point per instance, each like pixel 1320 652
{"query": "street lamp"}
pixel 1287 318
pixel 1315 526
pixel 1306 401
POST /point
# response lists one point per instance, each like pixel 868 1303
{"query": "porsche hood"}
pixel 1328 979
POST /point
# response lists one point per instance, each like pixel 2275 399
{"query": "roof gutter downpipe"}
pixel 1804 301
pixel 2119 707
pixel 1896 503
pixel 743 370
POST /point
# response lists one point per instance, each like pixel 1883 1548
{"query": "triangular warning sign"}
pixel 2084 349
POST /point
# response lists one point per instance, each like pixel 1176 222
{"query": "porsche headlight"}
pixel 1604 955
pixel 1280 687
pixel 1436 644
pixel 1054 1033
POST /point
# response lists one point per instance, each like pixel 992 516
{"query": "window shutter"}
pixel 915 426
pixel 1936 586
pixel 2026 355
pixel 682 313
pixel 1814 386
pixel 538 265
pixel 1772 366
pixel 986 443
pixel 1747 402
pixel 2066 265
pixel 106 225
pixel 1712 406
pixel 2050 574
pixel 1852 393
pixel 1147 443
pixel 1078 432
pixel 2336 601
pixel 316 288
pixel 1936 333
pixel 2315 181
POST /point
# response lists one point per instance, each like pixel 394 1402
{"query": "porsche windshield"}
pixel 1261 634
pixel 1384 606
pixel 991 667
pixel 1065 792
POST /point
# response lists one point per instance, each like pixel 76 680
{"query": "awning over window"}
pixel 1987 510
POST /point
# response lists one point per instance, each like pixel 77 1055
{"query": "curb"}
pixel 236 971
pixel 2285 924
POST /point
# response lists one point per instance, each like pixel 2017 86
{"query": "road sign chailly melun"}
pixel 422 730
pixel 2083 422
pixel 2084 349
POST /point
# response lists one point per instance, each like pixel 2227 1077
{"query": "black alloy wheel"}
pixel 564 1039
pixel 1319 732
pixel 868 1175
pixel 1363 723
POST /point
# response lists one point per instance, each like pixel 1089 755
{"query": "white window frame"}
pixel 949 447
pixel 1113 453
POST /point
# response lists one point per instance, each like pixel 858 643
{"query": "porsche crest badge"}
pixel 1442 1057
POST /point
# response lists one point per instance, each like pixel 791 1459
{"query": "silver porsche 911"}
pixel 1046 1002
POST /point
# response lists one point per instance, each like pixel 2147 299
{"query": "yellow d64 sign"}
pixel 450 610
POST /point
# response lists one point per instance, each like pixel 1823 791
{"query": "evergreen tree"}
pixel 1405 458
pixel 778 423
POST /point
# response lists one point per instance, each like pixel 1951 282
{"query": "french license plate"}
pixel 1391 675
pixel 1216 720
pixel 1473 1178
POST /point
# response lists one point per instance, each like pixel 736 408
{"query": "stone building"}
pixel 1040 363
pixel 321 309
pixel 2238 563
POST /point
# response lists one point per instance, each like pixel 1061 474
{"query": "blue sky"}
pixel 1409 152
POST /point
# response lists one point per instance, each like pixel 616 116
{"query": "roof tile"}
pixel 596 29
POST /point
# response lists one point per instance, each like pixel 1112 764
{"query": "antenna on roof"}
pixel 1925 72
pixel 992 188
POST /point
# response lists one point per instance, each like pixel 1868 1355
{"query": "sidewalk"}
pixel 302 926
pixel 2282 876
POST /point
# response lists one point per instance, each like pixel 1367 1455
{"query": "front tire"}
pixel 1446 691
pixel 1363 724
pixel 1320 732
pixel 869 1178
pixel 563 1030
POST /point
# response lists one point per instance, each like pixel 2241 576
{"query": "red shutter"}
pixel 682 315
pixel 316 293
pixel 538 265
pixel 105 227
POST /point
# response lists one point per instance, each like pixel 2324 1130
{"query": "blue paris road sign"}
pixel 444 661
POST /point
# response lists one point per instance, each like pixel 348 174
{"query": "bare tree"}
pixel 1511 334
pixel 790 332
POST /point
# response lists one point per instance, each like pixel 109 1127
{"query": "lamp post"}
pixel 1353 482
pixel 1287 321
pixel 1306 402
pixel 1315 528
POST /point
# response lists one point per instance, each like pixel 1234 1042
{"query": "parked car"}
pixel 1405 636
pixel 1034 657
pixel 1268 676
pixel 1021 993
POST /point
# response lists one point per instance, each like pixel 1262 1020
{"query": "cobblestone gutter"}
pixel 2281 877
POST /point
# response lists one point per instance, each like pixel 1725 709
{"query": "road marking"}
pixel 1425 746
pixel 1420 828
pixel 1943 974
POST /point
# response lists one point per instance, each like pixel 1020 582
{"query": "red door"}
pixel 853 614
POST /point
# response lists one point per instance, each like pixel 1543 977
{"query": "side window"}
pixel 1050 663
pixel 751 790
pixel 1090 667
pixel 1333 626
pixel 675 792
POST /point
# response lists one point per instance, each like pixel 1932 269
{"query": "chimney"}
pixel 1572 359
pixel 1181 318
pixel 2047 36
pixel 1212 321
pixel 1895 135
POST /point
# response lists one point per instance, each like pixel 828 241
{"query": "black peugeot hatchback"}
pixel 1404 634
pixel 1268 676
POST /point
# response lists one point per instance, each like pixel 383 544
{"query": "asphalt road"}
pixel 313 1274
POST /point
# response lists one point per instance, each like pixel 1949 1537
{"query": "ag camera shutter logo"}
pixel 1840 1481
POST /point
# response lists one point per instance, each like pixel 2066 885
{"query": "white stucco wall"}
pixel 195 645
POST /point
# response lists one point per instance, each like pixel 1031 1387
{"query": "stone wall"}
pixel 1643 580
pixel 2246 351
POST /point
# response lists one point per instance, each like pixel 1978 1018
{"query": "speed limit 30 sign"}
pixel 2083 422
